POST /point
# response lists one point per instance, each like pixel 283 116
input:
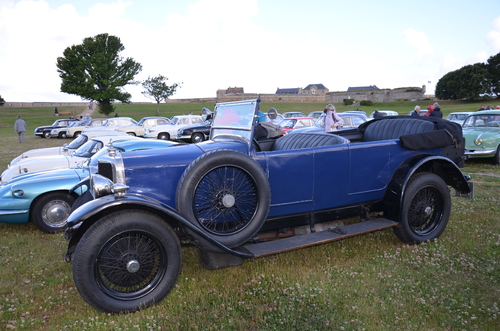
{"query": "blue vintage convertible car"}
pixel 232 197
pixel 44 197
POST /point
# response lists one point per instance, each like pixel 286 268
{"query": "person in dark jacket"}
pixel 20 128
pixel 416 111
pixel 436 112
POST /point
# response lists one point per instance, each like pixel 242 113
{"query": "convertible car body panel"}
pixel 235 190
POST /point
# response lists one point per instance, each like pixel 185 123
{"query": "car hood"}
pixel 40 152
pixel 489 136
pixel 40 164
pixel 473 132
pixel 34 184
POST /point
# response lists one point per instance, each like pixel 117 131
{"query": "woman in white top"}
pixel 332 120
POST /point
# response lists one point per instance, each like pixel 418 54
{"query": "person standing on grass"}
pixel 20 128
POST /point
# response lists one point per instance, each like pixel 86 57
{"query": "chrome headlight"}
pixel 179 132
pixel 478 141
pixel 100 186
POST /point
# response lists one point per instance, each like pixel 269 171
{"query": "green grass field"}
pixel 370 282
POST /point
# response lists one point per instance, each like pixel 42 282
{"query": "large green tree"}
pixel 493 67
pixel 470 82
pixel 95 71
pixel 156 88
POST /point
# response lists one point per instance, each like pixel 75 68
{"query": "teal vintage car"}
pixel 481 131
pixel 43 197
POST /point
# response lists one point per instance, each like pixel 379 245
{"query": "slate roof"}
pixel 318 86
pixel 362 88
pixel 287 90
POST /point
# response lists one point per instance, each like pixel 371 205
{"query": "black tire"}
pixel 225 193
pixel 496 158
pixel 127 261
pixel 197 137
pixel 50 212
pixel 62 135
pixel 77 134
pixel 164 136
pixel 131 134
pixel 426 209
pixel 46 134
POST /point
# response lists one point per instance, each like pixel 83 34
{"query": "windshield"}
pixel 89 148
pixel 459 117
pixel 75 144
pixel 482 121
pixel 234 119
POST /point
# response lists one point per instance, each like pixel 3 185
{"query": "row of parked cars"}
pixel 128 202
pixel 481 132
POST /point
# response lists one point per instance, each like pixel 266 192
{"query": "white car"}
pixel 75 129
pixel 113 123
pixel 144 123
pixel 458 117
pixel 60 161
pixel 65 149
pixel 168 131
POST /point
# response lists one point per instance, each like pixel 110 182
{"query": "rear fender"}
pixel 441 166
pixel 85 216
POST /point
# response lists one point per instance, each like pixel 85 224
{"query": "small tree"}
pixel 157 89
pixel 2 101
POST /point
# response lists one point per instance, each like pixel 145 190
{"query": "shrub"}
pixel 366 103
pixel 348 102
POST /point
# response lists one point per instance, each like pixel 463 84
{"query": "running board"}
pixel 317 238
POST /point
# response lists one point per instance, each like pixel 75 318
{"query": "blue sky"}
pixel 260 45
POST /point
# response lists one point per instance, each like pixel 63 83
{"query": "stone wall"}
pixel 383 95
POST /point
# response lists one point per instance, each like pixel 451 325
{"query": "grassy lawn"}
pixel 370 282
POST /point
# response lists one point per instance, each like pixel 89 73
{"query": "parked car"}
pixel 458 117
pixel 75 129
pixel 315 114
pixel 229 193
pixel 290 124
pixel 196 133
pixel 44 197
pixel 44 131
pixel 144 123
pixel 113 123
pixel 350 120
pixel 385 113
pixel 65 149
pixel 358 112
pixel 290 114
pixel 168 131
pixel 61 132
pixel 49 162
pixel 481 131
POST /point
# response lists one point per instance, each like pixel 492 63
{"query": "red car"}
pixel 296 123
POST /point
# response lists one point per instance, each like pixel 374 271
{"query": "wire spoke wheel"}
pixel 225 193
pixel 225 200
pixel 426 211
pixel 130 264
pixel 127 261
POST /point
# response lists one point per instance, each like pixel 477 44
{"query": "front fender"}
pixel 81 219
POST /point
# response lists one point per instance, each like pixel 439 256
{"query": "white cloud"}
pixel 493 37
pixel 419 41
